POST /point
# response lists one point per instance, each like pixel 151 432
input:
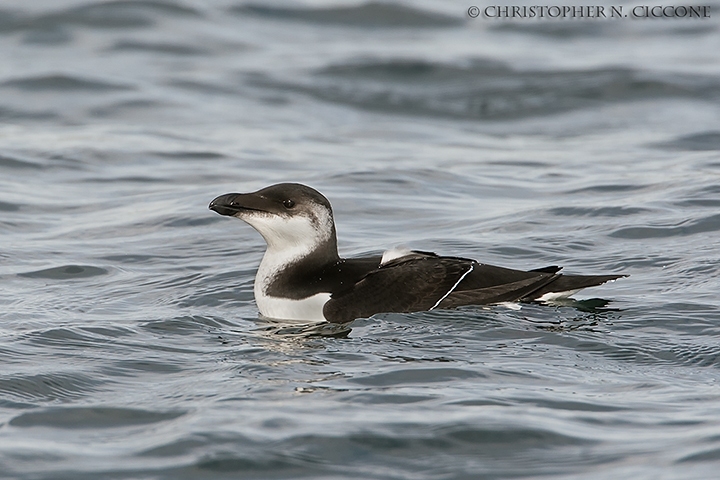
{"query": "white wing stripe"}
pixel 453 287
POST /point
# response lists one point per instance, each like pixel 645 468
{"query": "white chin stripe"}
pixel 289 232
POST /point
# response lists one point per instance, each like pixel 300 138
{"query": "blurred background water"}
pixel 130 345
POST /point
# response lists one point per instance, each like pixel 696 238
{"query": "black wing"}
pixel 423 281
pixel 412 283
pixel 490 284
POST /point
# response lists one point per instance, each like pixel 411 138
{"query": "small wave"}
pixel 424 451
pixel 705 141
pixel 596 211
pixel 712 455
pixel 267 462
pixel 9 207
pixel 663 349
pixel 573 406
pixel 91 417
pixel 189 155
pixel 367 398
pixel 158 47
pixel 422 376
pixel 112 14
pixel 698 355
pixel 372 14
pixel 129 179
pixel 518 437
pixel 127 106
pixel 704 197
pixel 485 89
pixel 186 221
pixel 13 114
pixel 17 163
pixel 182 325
pixel 70 338
pixel 66 272
pixel 132 367
pixel 204 87
pixel 9 21
pixel 610 188
pixel 48 387
pixel 560 30
pixel 409 180
pixel 52 36
pixel 702 225
pixel 61 82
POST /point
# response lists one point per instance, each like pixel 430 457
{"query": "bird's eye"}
pixel 288 203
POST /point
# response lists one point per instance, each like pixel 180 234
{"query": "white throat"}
pixel 289 240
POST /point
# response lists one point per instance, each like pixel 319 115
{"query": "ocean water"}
pixel 130 344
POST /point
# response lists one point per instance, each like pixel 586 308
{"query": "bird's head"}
pixel 287 215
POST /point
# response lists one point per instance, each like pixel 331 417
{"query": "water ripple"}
pixel 417 375
pixel 48 387
pixel 704 141
pixel 486 89
pixel 111 14
pixel 91 417
pixel 61 82
pixel 597 211
pixel 366 15
pixel 710 223
pixel 66 272
pixel 157 47
pixel 7 161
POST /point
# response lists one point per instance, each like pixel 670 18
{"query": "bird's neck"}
pixel 284 262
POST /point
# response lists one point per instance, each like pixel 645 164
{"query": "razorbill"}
pixel 302 277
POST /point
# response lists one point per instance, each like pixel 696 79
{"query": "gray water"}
pixel 130 344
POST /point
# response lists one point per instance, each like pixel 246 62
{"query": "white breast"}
pixel 310 308
pixel 289 240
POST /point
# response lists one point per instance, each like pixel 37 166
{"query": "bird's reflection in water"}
pixel 590 315
pixel 302 329
pixel 589 305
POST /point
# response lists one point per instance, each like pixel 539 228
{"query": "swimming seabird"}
pixel 302 277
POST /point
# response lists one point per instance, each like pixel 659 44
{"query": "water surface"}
pixel 130 343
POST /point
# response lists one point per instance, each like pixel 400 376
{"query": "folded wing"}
pixel 412 283
pixel 424 281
